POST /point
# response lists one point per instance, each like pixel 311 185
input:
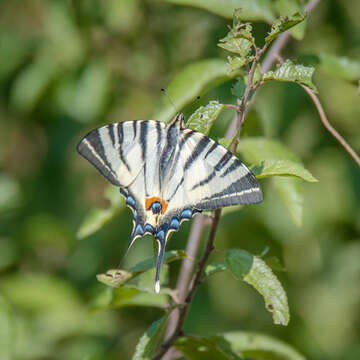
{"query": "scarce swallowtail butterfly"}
pixel 167 173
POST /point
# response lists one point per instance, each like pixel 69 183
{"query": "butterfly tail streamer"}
pixel 160 258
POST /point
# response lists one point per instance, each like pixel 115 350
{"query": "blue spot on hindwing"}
pixel 130 201
pixel 174 223
pixel 186 214
pixel 138 230
pixel 134 214
pixel 149 228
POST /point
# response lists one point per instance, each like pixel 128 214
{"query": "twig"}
pixel 178 316
pixel 329 127
pixel 197 280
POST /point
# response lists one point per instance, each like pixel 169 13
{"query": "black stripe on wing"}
pixel 245 190
pixel 92 149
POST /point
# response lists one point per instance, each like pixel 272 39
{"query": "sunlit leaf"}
pixel 212 269
pixel 265 151
pixel 97 218
pixel 256 10
pixel 114 277
pixel 291 72
pixel 253 270
pixel 150 341
pixel 340 66
pixel 235 65
pixel 195 79
pixel 288 8
pixel 282 24
pixel 203 118
pixel 272 167
pixel 236 44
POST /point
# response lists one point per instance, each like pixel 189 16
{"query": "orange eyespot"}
pixel 150 201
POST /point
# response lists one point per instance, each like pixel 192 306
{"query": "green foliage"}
pixel 251 10
pixel 255 272
pixel 282 24
pixel 203 118
pixel 293 73
pixel 286 8
pixel 97 218
pixel 340 66
pixel 69 67
pixel 274 159
pixel 191 82
pixel 237 345
pixel 148 343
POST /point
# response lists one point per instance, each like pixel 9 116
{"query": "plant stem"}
pixel 329 127
pixel 178 316
pixel 196 281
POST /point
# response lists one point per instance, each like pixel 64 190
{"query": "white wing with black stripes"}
pixel 167 174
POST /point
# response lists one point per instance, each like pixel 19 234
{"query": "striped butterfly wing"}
pixel 119 151
pixel 206 177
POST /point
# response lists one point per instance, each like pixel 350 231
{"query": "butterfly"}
pixel 167 173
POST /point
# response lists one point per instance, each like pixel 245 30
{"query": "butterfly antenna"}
pixel 164 91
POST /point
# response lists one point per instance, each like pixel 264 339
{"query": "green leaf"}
pixel 114 277
pixel 151 263
pixel 203 118
pixel 239 42
pixel 150 341
pixel 235 64
pixel 238 88
pixel 288 8
pixel 340 66
pixel 291 72
pixel 196 79
pixel 236 345
pixel 259 346
pixel 253 270
pixel 212 269
pixel 201 348
pixel 257 150
pixel 266 283
pixel 239 262
pixel 272 167
pixel 282 24
pixel 225 142
pixel 251 10
pixel 291 194
pixel 97 218
pixel 125 297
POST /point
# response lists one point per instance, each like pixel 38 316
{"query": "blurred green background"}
pixel 69 66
